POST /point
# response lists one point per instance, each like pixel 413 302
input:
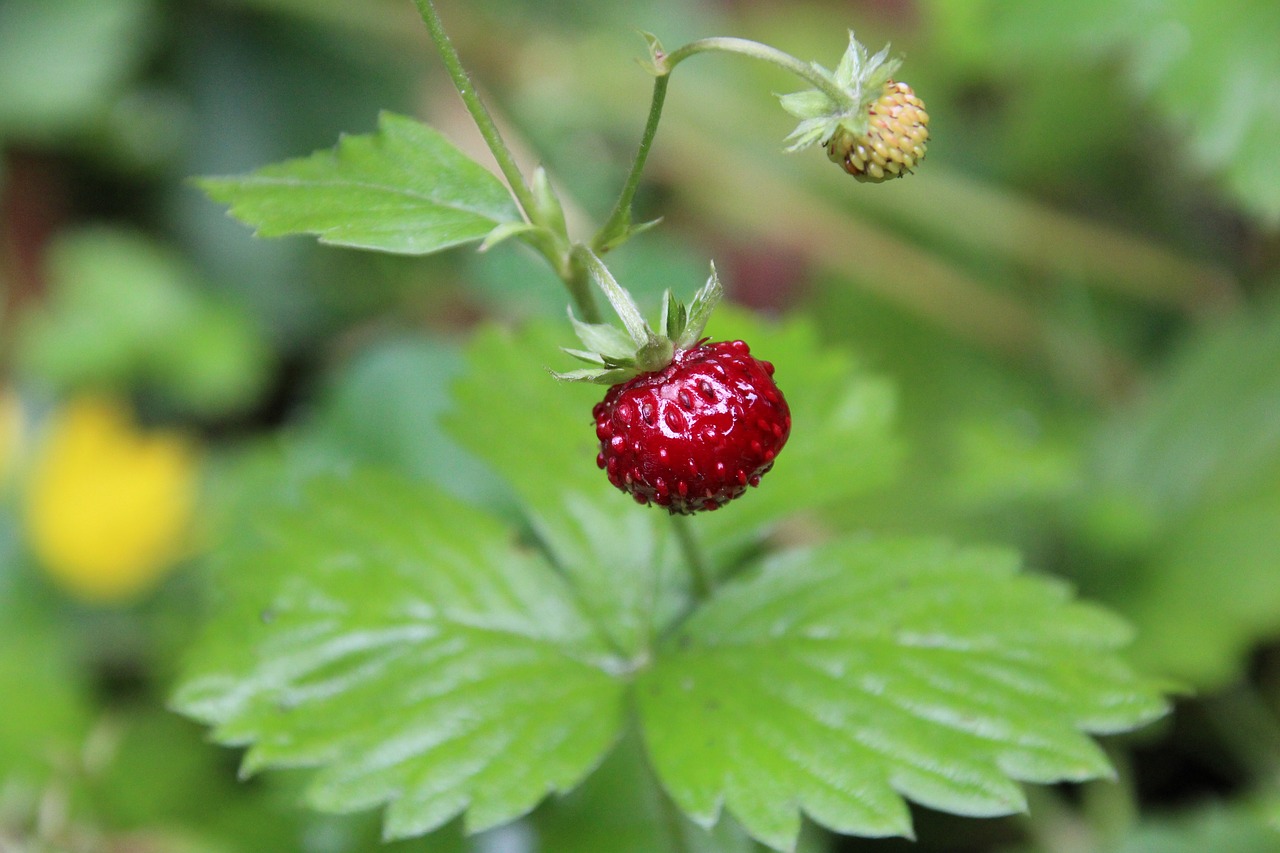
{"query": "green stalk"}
pixel 479 112
pixel 552 243
pixel 620 219
pixel 619 222
pixel 808 71
pixel 703 583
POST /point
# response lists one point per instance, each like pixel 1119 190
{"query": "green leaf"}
pixel 842 440
pixel 126 310
pixel 841 679
pixel 46 711
pixel 619 558
pixel 1184 486
pixel 841 446
pixel 620 810
pixel 406 645
pixel 382 408
pixel 403 189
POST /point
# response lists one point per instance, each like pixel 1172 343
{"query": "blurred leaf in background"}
pixel 64 64
pixel 1187 482
pixel 125 312
pixel 1209 68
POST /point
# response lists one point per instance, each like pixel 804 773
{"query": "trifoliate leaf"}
pixel 841 679
pixel 403 643
pixel 403 189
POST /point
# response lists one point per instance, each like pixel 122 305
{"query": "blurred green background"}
pixel 1077 299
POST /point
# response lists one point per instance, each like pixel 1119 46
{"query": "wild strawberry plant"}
pixel 734 671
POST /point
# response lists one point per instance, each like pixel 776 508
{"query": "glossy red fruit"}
pixel 694 435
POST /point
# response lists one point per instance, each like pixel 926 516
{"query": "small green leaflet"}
pixel 406 644
pixel 840 679
pixel 404 189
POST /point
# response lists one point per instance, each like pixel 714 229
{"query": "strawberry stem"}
pixel 479 112
pixel 700 574
pixel 618 227
pixel 811 72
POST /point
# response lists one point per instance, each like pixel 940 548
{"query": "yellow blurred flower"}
pixel 109 507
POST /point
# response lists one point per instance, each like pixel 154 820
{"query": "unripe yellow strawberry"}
pixel 873 126
pixel 895 141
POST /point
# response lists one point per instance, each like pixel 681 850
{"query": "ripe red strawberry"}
pixel 687 425
pixel 695 434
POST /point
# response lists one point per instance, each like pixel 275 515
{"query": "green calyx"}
pixel 615 354
pixel 861 76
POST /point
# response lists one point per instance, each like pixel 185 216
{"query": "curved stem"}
pixel 703 583
pixel 620 219
pixel 479 112
pixel 807 71
pixel 578 280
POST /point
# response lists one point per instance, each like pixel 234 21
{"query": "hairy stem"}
pixel 578 280
pixel 620 219
pixel 703 583
pixel 479 112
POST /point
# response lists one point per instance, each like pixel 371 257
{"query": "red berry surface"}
pixel 694 435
